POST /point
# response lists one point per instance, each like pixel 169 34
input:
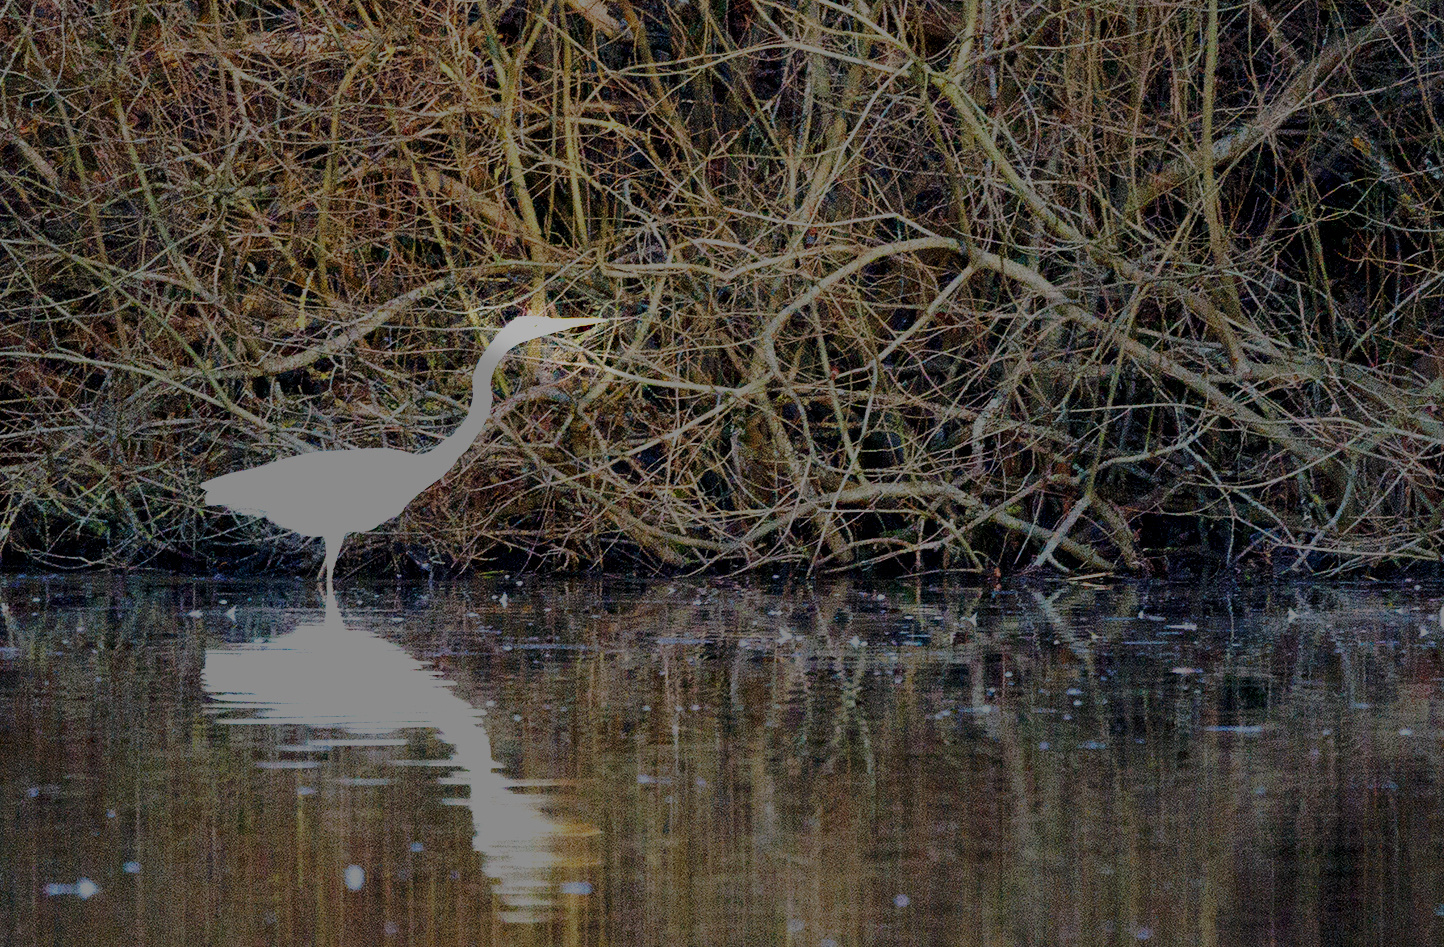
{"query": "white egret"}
pixel 331 493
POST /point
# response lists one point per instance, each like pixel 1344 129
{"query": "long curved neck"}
pixel 444 456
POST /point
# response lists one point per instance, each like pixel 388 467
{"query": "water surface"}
pixel 668 763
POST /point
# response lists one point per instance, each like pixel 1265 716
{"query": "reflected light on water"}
pixel 334 676
pixel 830 765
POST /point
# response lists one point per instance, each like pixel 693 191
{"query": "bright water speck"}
pixel 576 887
pixel 417 847
pixel 305 790
pixel 901 901
pixel 84 889
pixel 355 877
pixel 131 868
pixel 1143 933
pixel 392 928
pixel 796 925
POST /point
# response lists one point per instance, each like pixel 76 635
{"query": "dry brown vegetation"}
pixel 986 284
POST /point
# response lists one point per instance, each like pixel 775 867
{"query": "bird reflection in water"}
pixel 329 675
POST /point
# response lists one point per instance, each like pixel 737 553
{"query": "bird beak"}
pixel 580 321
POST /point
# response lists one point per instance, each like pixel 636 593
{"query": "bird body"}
pixel 334 492
pixel 380 484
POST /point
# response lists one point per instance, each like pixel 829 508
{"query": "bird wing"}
pixel 325 493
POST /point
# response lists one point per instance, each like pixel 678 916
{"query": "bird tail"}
pixel 226 490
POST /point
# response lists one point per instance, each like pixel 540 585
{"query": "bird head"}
pixel 525 328
pixel 514 333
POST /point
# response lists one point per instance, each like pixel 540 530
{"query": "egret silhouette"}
pixel 331 493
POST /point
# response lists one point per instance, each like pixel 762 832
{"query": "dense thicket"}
pixel 985 284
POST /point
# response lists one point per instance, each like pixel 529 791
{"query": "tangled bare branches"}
pixel 981 284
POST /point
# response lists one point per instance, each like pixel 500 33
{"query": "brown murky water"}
pixel 682 763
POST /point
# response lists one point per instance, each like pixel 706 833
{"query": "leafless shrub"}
pixel 983 284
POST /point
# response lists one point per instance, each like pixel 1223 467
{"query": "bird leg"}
pixel 333 551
